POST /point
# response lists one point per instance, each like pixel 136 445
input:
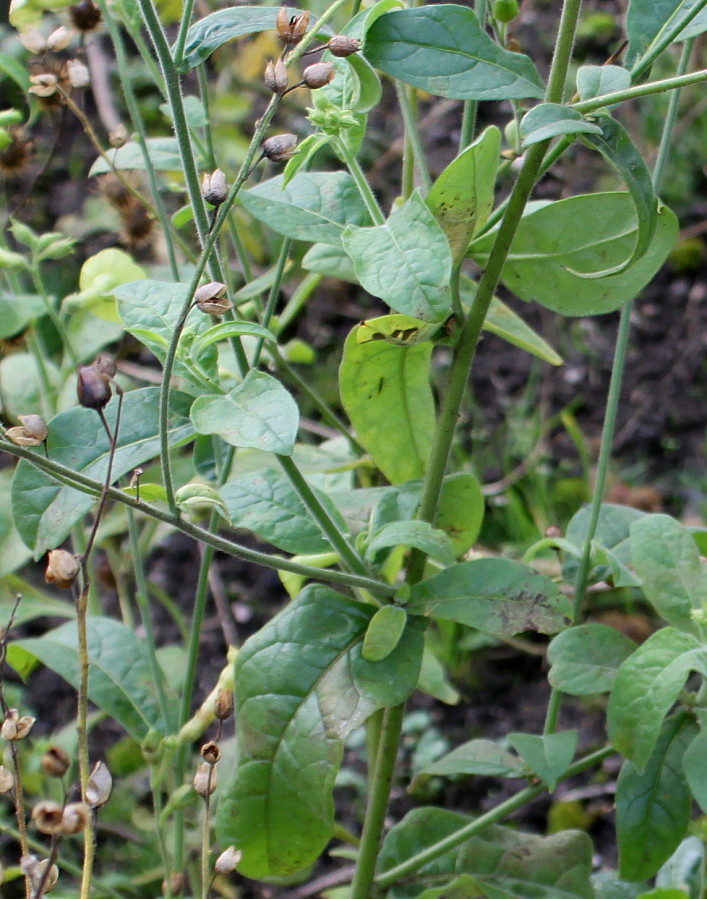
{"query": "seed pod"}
pixel 342 45
pixel 92 387
pixel 62 569
pixel 44 85
pixel 47 817
pixel 214 188
pixel 210 753
pixel 75 817
pixel 28 436
pixel 34 426
pixel 77 73
pixel 34 869
pixel 276 78
pixel 227 861
pixel 211 298
pixel 85 15
pixel 280 147
pixel 291 29
pixel 32 40
pixel 99 786
pixel 318 74
pixel 223 707
pixel 7 781
pixel 118 136
pixel 15 727
pixel 55 762
pixel 205 779
pixel 59 39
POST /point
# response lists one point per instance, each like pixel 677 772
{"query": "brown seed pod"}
pixel 92 387
pixel 291 29
pixel 62 569
pixel 47 817
pixel 85 15
pixel 210 752
pixel 55 762
pixel 318 74
pixel 205 779
pixel 75 817
pixel 275 77
pixel 105 364
pixel 214 188
pixel 280 147
pixel 211 298
pixel 7 781
pixel 342 45
pixel 223 707
pixel 227 861
pixel 99 785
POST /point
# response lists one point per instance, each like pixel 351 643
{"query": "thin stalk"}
pixel 362 184
pixel 407 100
pixel 159 833
pixel 294 305
pixel 661 42
pixel 210 159
pixel 466 135
pixel 89 841
pixel 184 24
pixel 52 313
pixel 410 865
pixel 641 90
pixel 666 138
pixel 272 296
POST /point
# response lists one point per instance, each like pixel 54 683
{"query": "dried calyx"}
pixel 98 786
pixel 55 762
pixel 31 432
pixel 318 74
pixel 85 15
pixel 291 29
pixel 214 188
pixel 15 726
pixel 205 779
pixel 211 298
pixel 62 569
pixel 275 77
pixel 280 147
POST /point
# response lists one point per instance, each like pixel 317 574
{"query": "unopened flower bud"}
pixel 227 861
pixel 62 569
pixel 210 752
pixel 59 39
pixel 211 298
pixel 342 45
pixel 205 779
pixel 291 29
pixel 280 147
pixel 276 78
pixel 7 780
pixel 223 707
pixel 318 74
pixel 55 762
pixel 77 73
pixel 99 786
pixel 214 188
pixel 92 387
pixel 75 817
pixel 47 817
pixel 553 531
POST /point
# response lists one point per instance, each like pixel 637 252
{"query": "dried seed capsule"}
pixel 280 147
pixel 59 39
pixel 34 869
pixel 85 15
pixel 105 365
pixel 77 73
pixel 32 40
pixel 211 298
pixel 227 861
pixel 34 426
pixel 55 762
pixel 276 78
pixel 99 786
pixel 15 727
pixel 223 707
pixel 47 817
pixel 44 85
pixel 20 437
pixel 210 752
pixel 75 817
pixel 291 29
pixel 318 74
pixel 62 569
pixel 342 45
pixel 92 387
pixel 205 779
pixel 214 188
pixel 7 781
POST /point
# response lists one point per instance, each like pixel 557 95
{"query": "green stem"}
pixel 272 296
pixel 666 138
pixel 362 184
pixel 471 107
pixel 641 90
pixel 298 299
pixel 184 24
pixel 48 392
pixel 413 864
pixel 407 100
pixel 53 314
pixel 661 42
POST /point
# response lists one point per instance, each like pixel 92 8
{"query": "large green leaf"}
pixel 547 755
pixel 301 686
pixel 666 559
pixel 259 413
pixel 653 806
pixel 420 534
pixel 216 29
pixel 694 764
pixel 119 678
pixel 17 311
pixel 482 757
pixel 13 551
pixel 315 206
pixel 646 686
pixel 548 120
pixel 494 595
pixel 595 81
pixel 504 863
pixel 585 659
pixel 47 510
pixel 443 50
pixel 163 153
pixel 612 536
pixel 406 262
pixel 386 393
pixel 462 196
pixel 581 233
pixel 647 20
pixel 266 503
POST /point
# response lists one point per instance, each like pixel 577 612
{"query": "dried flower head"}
pixel 75 817
pixel 62 569
pixel 16 726
pixel 291 29
pixel 210 752
pixel 211 298
pixel 77 73
pixel 318 74
pixel 31 432
pixel 205 779
pixel 99 786
pixel 223 707
pixel 85 15
pixel 92 387
pixel 276 78
pixel 280 147
pixel 119 135
pixel 214 188
pixel 33 40
pixel 44 85
pixel 7 780
pixel 37 873
pixel 342 45
pixel 47 817
pixel 227 861
pixel 59 39
pixel 55 762
pixel 105 364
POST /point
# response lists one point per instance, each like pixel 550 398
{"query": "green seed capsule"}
pixel 505 10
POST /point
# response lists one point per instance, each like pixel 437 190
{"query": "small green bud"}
pixel 505 10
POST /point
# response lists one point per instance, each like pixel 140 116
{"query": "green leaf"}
pixel 77 440
pixel 666 559
pixel 462 196
pixel 506 864
pixel 17 311
pixel 216 29
pixel 618 149
pixel 15 70
pixel 612 533
pixel 315 206
pixel 694 766
pixel 548 120
pixel 386 393
pixel 13 552
pixel 194 112
pixel 35 603
pixel 119 679
pixel 580 233
pixel 100 275
pixel 646 686
pixel 419 534
pixel 383 633
pixel 595 81
pixel 433 680
pixel 647 20
pixel 301 687
pixel 548 755
pixel 163 153
pixel 481 757
pixel 399 330
pixel 267 504
pixel 258 412
pixel 330 261
pixel 494 595
pixel 684 867
pixel 225 330
pixel 460 511
pixel 21 385
pixel 585 659
pixel 443 50
pixel 653 806
pixel 306 151
pixel 406 262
